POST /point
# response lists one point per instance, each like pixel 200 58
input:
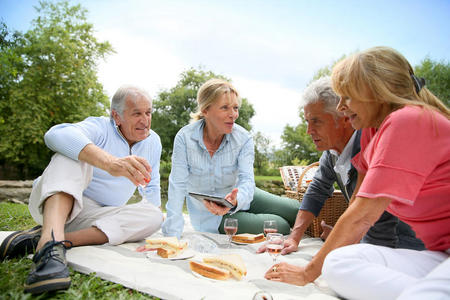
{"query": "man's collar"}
pixel 348 147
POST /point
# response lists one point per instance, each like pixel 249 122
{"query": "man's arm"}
pixel 78 141
pixel 319 190
pixel 303 220
pixel 349 229
pixel 135 168
pixel 321 187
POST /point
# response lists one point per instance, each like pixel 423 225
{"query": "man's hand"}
pixel 326 229
pixel 290 245
pixel 220 210
pixel 135 168
pixel 285 272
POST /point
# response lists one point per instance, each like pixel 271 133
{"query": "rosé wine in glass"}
pixel 270 226
pixel 275 243
pixel 230 227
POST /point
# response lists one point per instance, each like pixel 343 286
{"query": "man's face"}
pixel 136 120
pixel 325 132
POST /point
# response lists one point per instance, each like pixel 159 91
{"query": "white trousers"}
pixel 127 223
pixel 365 271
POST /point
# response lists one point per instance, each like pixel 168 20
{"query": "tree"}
pixel 298 144
pixel 50 78
pixel 326 71
pixel 437 77
pixel 262 144
pixel 172 108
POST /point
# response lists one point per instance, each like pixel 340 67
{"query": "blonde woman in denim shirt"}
pixel 213 155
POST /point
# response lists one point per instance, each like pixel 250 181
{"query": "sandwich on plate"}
pixel 230 262
pixel 166 246
pixel 209 271
pixel 248 238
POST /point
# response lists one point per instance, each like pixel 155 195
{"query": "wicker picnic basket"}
pixel 296 180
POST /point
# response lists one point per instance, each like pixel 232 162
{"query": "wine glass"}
pixel 230 227
pixel 275 243
pixel 262 295
pixel 141 188
pixel 270 226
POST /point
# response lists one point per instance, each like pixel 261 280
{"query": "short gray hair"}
pixel 121 95
pixel 321 90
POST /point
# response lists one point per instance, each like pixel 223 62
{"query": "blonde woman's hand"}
pixel 220 210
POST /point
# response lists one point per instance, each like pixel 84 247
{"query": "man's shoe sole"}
pixel 7 241
pixel 48 285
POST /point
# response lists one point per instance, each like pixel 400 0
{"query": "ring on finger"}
pixel 274 268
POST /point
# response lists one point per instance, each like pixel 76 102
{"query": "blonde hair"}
pixel 387 77
pixel 209 92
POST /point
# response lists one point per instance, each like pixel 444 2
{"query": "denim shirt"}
pixel 194 170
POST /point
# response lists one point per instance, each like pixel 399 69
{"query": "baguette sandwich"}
pixel 231 262
pixel 248 238
pixel 166 246
pixel 209 270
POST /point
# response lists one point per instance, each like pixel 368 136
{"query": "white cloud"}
pixel 275 106
pixel 140 61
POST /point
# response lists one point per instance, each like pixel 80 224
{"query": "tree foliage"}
pixel 262 153
pixel 48 76
pixel 437 77
pixel 172 108
pixel 298 144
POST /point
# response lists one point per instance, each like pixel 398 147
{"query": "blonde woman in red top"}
pixel 404 167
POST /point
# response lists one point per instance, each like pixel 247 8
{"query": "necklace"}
pixel 211 147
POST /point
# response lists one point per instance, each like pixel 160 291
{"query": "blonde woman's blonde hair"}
pixel 209 92
pixel 383 75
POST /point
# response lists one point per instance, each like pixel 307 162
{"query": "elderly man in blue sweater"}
pixel 80 198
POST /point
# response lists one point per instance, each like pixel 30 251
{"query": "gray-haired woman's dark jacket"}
pixel 388 231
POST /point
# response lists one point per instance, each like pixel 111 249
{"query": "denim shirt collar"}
pixel 197 135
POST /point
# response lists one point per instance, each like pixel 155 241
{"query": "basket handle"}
pixel 300 179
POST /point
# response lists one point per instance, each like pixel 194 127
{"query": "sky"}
pixel 269 49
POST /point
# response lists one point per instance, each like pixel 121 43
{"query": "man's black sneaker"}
pixel 20 243
pixel 50 272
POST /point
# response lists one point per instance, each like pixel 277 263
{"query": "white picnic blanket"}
pixel 173 279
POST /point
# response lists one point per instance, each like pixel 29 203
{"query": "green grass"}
pixel 265 178
pixel 14 271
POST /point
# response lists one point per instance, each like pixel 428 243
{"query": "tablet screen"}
pixel 216 199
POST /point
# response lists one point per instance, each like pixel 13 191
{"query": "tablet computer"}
pixel 216 199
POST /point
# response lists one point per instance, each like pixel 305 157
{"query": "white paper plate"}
pixel 188 253
pixel 241 243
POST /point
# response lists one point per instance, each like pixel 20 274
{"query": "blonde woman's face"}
pixel 362 114
pixel 222 113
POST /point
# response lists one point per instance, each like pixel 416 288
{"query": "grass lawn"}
pixel 15 271
pixel 266 178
